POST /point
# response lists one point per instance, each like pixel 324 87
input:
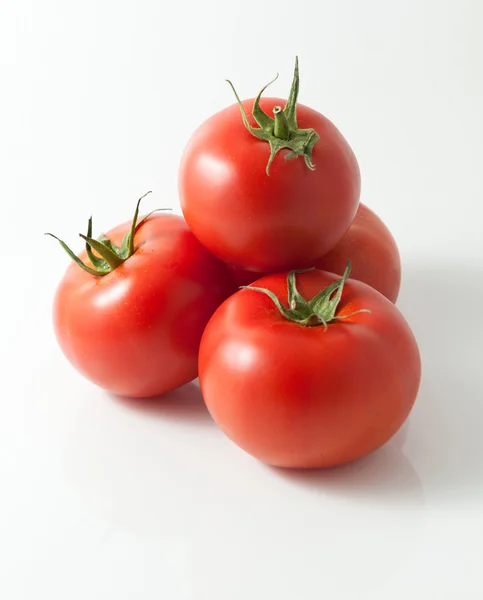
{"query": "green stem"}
pixel 281 129
pixel 110 256
pixel 134 225
pixel 320 310
pixel 75 258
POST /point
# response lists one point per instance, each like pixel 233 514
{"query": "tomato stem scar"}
pixel 281 127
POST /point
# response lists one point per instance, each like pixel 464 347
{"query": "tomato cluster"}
pixel 310 363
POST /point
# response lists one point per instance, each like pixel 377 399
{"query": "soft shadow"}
pixel 440 448
pixel 185 403
pixel 137 462
pixel 385 477
pixel 159 475
pixel 445 443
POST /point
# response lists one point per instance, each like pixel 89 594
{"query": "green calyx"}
pixel 321 310
pixel 109 256
pixel 281 131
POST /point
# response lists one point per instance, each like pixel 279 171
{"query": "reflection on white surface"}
pixel 127 459
pixel 107 443
pixel 164 464
pixel 385 478
pixel 103 501
pixel 161 471
pixel 445 441
pixel 150 481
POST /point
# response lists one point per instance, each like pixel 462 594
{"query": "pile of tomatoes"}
pixel 277 289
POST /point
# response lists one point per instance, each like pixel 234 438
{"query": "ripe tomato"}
pixel 268 222
pixel 373 252
pixel 136 330
pixel 371 248
pixel 309 395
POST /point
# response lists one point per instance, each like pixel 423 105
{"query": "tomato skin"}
pixel 259 222
pixel 136 331
pixel 304 397
pixel 371 248
pixel 373 252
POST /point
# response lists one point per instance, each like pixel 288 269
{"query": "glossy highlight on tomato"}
pixel 268 222
pixel 306 396
pixel 370 247
pixel 136 330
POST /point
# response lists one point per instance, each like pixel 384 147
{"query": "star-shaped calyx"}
pixel 320 310
pixel 282 130
pixel 109 256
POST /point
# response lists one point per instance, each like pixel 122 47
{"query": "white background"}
pixel 104 499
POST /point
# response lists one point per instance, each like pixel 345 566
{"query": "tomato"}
pixel 369 245
pixel 373 252
pixel 321 384
pixel 136 330
pixel 267 222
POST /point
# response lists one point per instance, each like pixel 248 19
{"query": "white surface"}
pixel 100 499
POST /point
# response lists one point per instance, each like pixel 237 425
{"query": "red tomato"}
pixel 267 222
pixel 373 252
pixel 369 245
pixel 309 396
pixel 136 330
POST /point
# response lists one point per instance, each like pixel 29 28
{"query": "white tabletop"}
pixel 102 498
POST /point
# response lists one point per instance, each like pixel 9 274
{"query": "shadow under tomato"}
pixel 445 442
pixel 136 462
pixel 162 470
pixel 440 447
pixel 386 476
pixel 439 450
pixel 184 403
